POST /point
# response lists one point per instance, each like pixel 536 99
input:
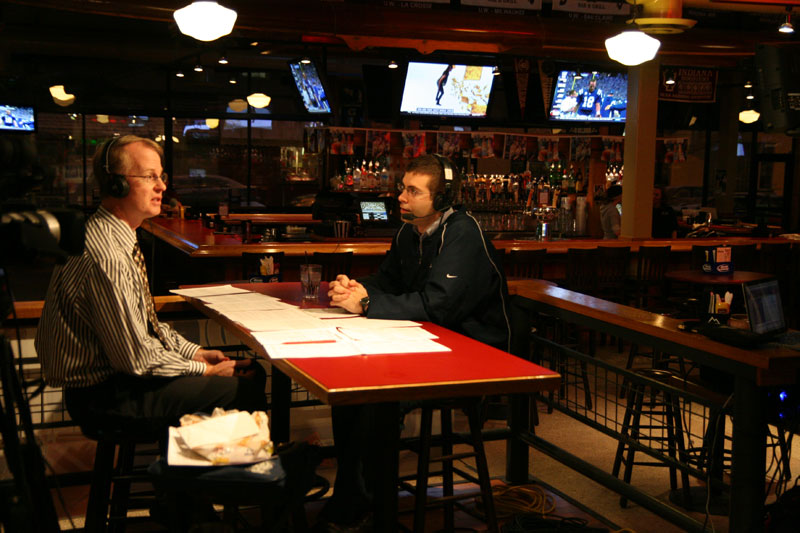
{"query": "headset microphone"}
pixel 408 217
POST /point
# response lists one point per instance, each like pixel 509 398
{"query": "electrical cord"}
pixel 516 499
pixel 711 457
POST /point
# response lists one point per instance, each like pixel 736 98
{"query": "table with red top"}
pixel 471 368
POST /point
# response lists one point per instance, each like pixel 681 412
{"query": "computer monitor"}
pixel 764 310
pixel 374 211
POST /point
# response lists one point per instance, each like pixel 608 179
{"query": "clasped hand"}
pixel 219 364
pixel 346 293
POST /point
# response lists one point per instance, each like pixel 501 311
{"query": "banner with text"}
pixel 593 7
pixel 522 5
pixel 691 85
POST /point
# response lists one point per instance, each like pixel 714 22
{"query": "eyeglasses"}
pixel 411 191
pixel 164 177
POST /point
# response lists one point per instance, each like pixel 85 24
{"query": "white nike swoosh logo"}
pixel 450 276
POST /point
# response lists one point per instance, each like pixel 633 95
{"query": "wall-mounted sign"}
pixel 691 84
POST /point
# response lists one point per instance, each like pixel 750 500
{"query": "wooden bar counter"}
pixel 185 251
pixel 195 240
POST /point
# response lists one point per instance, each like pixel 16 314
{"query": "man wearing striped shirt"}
pixel 99 338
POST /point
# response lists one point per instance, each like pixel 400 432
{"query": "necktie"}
pixel 148 298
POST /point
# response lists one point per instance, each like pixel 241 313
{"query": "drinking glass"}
pixel 310 276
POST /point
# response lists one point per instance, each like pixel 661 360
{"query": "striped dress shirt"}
pixel 94 322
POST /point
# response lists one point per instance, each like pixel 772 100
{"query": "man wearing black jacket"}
pixel 441 268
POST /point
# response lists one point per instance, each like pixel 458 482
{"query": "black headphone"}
pixel 116 184
pixel 442 201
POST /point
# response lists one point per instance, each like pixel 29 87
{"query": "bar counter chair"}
pixel 527 264
pixel 650 294
pixel 745 257
pixel 652 418
pixel 333 263
pixel 119 441
pixel 581 277
pixel 449 467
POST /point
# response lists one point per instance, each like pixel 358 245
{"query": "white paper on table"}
pixel 250 300
pixel 272 320
pixel 411 346
pixel 312 349
pixel 369 323
pixel 216 290
pixel 253 305
pixel 387 334
pixel 329 312
pixel 297 335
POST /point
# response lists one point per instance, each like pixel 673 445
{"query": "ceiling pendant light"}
pixel 212 123
pixel 232 81
pixel 258 100
pixel 669 78
pixel 305 60
pixel 223 60
pixel 748 116
pixel 238 105
pixel 392 64
pixel 205 21
pixel 787 27
pixel 632 47
pixel 198 68
pixel 60 96
pixel 179 74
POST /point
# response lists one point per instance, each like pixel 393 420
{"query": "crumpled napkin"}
pixel 226 437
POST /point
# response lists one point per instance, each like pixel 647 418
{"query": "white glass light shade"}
pixel 212 123
pixel 632 47
pixel 237 105
pixel 258 100
pixel 60 96
pixel 748 116
pixel 205 21
pixel 102 119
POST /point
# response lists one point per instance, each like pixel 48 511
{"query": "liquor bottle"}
pixel 356 178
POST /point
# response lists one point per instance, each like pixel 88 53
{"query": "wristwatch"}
pixel 364 304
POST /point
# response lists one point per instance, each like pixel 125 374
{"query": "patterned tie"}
pixel 148 299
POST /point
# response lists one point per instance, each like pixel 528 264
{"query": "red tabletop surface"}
pixel 470 368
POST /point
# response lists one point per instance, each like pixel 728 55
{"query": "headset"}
pixel 444 200
pixel 116 184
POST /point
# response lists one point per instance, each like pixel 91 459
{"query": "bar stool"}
pixel 581 277
pixel 527 263
pixel 118 437
pixel 648 401
pixel 334 263
pixel 448 457
pixel 612 273
pixel 744 256
pixel 649 285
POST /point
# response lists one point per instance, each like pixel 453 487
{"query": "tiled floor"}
pixel 562 491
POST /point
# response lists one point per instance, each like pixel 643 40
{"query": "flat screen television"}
pixel 589 96
pixel 17 118
pixel 447 90
pixel 310 86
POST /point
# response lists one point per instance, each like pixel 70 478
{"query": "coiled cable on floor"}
pixel 516 499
